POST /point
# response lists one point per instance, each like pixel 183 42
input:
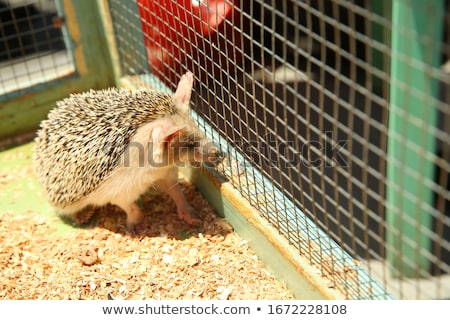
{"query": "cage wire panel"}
pixel 32 47
pixel 335 119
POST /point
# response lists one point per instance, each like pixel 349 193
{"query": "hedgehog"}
pixel 110 146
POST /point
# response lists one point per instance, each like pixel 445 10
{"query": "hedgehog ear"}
pixel 172 134
pixel 161 137
pixel 166 134
pixel 182 95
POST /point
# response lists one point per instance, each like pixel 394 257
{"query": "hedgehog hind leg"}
pixel 134 213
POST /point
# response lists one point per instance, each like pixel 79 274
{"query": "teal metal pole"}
pixel 416 35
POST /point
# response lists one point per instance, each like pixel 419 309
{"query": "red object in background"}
pixel 191 35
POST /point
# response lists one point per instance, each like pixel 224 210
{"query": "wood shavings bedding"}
pixel 166 259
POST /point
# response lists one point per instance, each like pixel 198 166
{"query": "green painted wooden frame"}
pixel 88 41
pixel 407 218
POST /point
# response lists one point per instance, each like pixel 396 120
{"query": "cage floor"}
pixel 44 257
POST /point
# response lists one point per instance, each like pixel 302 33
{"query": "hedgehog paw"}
pixel 134 216
pixel 189 215
pixel 138 229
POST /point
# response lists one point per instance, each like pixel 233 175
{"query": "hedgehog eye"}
pixel 191 144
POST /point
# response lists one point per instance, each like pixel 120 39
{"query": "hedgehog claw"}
pixel 137 229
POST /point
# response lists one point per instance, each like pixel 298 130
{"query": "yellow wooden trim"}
pixel 75 36
pixel 110 39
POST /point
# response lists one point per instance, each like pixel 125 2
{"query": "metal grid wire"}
pixel 335 130
pixel 32 48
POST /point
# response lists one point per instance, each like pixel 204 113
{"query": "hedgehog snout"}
pixel 213 154
pixel 206 153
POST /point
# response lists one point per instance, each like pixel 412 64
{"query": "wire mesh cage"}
pixel 32 46
pixel 335 119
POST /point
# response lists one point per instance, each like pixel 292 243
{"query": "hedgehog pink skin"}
pixel 109 146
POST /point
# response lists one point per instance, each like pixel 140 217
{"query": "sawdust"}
pixel 167 259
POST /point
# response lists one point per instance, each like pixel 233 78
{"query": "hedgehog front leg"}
pixel 184 210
